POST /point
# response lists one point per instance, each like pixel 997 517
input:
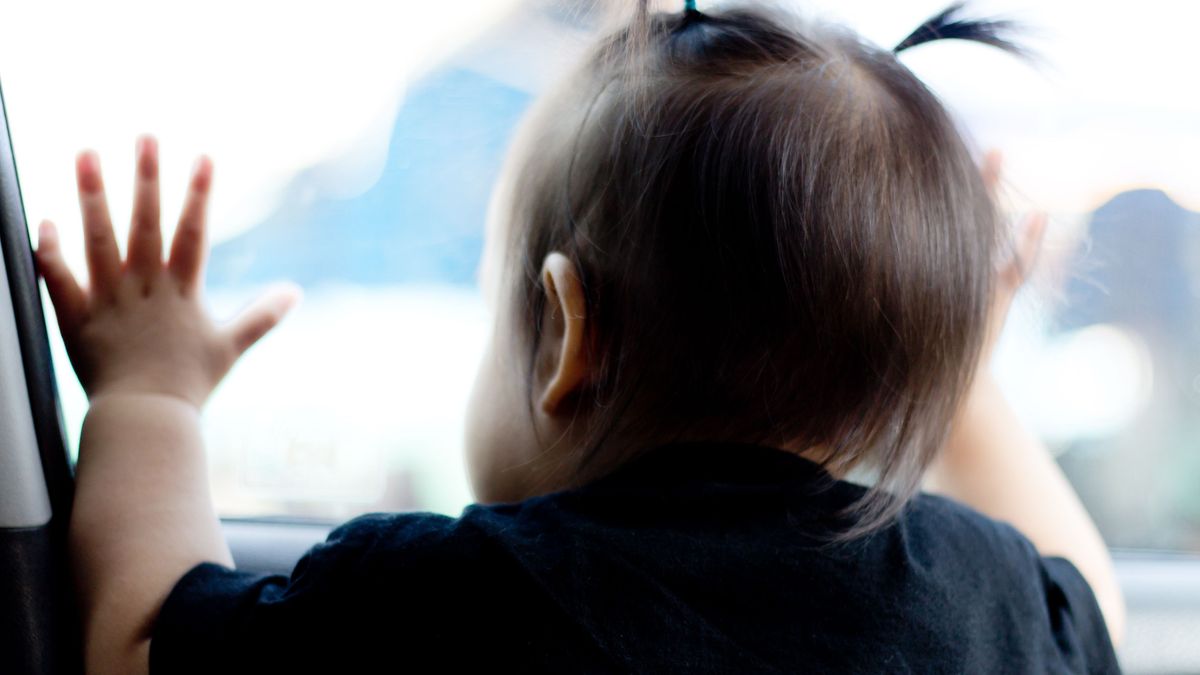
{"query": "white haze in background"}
pixel 1113 106
pixel 361 380
pixel 267 88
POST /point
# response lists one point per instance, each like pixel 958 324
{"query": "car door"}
pixel 38 624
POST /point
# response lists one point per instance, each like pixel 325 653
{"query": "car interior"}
pixel 280 500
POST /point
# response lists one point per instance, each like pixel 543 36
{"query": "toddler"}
pixel 733 258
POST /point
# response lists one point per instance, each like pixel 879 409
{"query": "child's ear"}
pixel 562 367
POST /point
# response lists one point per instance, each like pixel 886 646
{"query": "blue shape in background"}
pixel 421 222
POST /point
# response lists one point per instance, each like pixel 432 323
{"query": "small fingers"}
pixel 1024 248
pixel 188 247
pixel 104 260
pixel 70 303
pixel 993 161
pixel 145 233
pixel 1029 243
pixel 261 316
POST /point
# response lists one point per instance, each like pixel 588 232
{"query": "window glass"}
pixel 355 156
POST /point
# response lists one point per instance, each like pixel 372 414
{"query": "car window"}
pixel 364 173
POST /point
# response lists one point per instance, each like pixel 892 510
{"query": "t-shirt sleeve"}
pixel 220 620
pixel 1076 619
pixel 1038 612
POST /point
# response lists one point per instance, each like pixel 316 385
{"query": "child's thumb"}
pixel 262 315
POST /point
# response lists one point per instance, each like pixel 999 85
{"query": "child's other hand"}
pixel 1017 261
pixel 140 326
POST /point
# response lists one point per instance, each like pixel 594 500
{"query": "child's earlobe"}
pixel 562 366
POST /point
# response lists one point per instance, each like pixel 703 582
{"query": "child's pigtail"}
pixel 949 24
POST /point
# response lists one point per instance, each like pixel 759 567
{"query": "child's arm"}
pixel 996 466
pixel 993 464
pixel 148 356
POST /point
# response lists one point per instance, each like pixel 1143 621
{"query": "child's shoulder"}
pixel 999 567
pixel 412 539
pixel 424 542
pixel 996 560
pixel 957 529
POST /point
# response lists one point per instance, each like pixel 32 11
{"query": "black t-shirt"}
pixel 697 558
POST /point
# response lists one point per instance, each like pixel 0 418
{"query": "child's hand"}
pixel 140 327
pixel 1017 263
pixel 993 464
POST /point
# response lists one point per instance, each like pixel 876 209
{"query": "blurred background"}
pixel 356 144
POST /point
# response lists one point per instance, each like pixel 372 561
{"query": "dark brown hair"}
pixel 781 235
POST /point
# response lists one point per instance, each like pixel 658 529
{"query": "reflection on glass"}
pixel 383 349
pixel 1139 275
pixel 356 403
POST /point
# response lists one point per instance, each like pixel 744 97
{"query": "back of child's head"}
pixel 781 236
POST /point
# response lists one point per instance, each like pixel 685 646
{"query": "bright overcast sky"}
pixel 265 88
pixel 268 88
